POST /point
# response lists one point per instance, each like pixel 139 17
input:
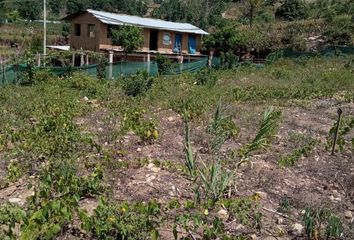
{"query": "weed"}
pixel 133 120
pixel 10 215
pixel 290 160
pixel 346 125
pixel 245 210
pixel 320 222
pixel 284 205
pixel 206 77
pixel 13 171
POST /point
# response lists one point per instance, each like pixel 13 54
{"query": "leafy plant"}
pixel 133 120
pixel 137 84
pixel 291 159
pixel 122 221
pixel 245 209
pixel 10 215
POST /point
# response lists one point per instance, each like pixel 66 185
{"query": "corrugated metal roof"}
pixel 122 19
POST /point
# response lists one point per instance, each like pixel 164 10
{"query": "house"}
pixel 90 30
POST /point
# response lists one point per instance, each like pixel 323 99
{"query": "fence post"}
pixel 73 60
pixel 336 133
pixel 2 71
pixel 210 60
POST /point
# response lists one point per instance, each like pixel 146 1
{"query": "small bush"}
pixel 137 84
pixel 88 85
pixel 164 64
pixel 206 77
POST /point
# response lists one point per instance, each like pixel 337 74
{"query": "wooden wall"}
pixel 83 41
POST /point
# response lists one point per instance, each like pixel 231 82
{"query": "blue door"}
pixel 192 44
pixel 177 47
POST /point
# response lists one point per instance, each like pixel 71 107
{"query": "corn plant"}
pixel 269 126
pixel 190 158
pixel 214 181
pixel 221 129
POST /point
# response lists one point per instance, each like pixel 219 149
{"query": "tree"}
pixel 28 10
pixel 340 30
pixel 292 10
pixel 2 11
pixel 130 38
pixel 252 7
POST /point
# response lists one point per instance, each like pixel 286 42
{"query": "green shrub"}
pixel 86 84
pixel 137 84
pixel 206 77
pixel 164 64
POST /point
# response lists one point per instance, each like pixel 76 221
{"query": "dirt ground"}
pixel 319 179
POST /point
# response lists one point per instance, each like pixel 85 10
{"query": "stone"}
pixel 279 221
pixel 153 168
pixel 254 237
pixel 171 119
pixel 262 195
pixel 149 179
pixel 138 150
pixel 270 238
pixel 348 215
pixel 16 201
pixel 86 98
pixel 297 229
pixel 240 227
pixel 223 214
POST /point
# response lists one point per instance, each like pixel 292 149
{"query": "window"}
pixel 77 28
pixel 91 30
pixel 109 31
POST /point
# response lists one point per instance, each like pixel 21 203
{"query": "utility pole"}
pixel 44 30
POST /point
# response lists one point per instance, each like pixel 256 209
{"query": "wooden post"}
pixel 339 112
pixel 38 56
pixel 87 59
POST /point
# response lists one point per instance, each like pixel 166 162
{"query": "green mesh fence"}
pixel 12 73
pixel 330 51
